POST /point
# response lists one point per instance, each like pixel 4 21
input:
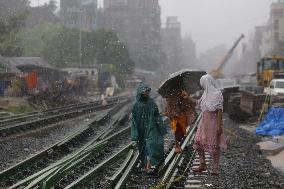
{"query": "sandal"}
pixel 215 172
pixel 152 172
pixel 178 149
pixel 202 167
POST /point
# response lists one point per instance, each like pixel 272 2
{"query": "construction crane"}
pixel 218 73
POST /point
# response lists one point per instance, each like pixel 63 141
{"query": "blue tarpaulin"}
pixel 273 124
pixel 2 88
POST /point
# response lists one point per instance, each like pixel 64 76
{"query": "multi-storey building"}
pixel 138 24
pixel 273 34
pixel 172 43
pixel 79 13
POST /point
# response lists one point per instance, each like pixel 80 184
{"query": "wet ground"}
pixel 20 148
pixel 244 165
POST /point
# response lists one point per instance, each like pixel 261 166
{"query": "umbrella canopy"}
pixel 185 79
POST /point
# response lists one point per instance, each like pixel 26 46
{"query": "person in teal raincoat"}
pixel 147 128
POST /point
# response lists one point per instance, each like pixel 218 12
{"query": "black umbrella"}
pixel 185 79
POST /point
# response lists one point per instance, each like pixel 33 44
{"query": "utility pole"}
pixel 80 34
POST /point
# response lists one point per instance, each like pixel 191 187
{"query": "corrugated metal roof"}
pixel 6 67
pixel 27 61
pixel 22 64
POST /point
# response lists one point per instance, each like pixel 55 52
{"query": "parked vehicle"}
pixel 275 88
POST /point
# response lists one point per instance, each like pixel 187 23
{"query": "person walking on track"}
pixel 147 129
pixel 181 111
pixel 209 136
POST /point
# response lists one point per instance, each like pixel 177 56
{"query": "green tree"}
pixel 42 14
pixel 61 49
pixel 110 50
pixel 9 39
pixel 33 39
pixel 10 8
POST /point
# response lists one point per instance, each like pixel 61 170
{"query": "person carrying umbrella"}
pixel 147 129
pixel 181 111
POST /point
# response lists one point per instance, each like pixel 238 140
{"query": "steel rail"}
pixel 50 176
pixel 96 170
pixel 36 115
pixel 121 182
pixel 60 146
pixel 173 160
pixel 10 130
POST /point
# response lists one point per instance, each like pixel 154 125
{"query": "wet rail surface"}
pixel 39 120
pixel 108 129
pixel 99 155
pixel 242 165
pixel 167 171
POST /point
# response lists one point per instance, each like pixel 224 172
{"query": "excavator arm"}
pixel 218 72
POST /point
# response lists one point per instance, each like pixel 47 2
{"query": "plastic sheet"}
pixel 273 124
pixel 31 80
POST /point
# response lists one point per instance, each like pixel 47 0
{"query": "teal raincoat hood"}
pixel 142 87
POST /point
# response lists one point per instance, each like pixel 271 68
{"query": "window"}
pixel 277 13
pixel 276 36
pixel 279 84
pixel 260 67
pixel 270 64
pixel 281 64
pixel 266 65
pixel 276 24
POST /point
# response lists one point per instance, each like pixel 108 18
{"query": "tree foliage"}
pixel 61 47
pixel 32 38
pixel 98 47
pixel 13 14
pixel 9 40
pixel 10 8
pixel 42 14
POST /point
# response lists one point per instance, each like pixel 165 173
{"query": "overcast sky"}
pixel 213 22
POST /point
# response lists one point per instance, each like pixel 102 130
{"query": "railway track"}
pixel 107 129
pixel 137 178
pixel 177 171
pixel 40 120
pixel 99 155
pixel 10 119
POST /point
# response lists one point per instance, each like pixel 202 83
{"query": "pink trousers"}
pixel 209 138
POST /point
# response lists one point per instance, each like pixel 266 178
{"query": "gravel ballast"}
pixel 243 165
pixel 20 148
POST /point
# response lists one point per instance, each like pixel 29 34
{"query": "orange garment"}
pixel 180 121
pixel 179 125
pixel 181 113
pixel 31 80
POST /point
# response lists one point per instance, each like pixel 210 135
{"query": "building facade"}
pixel 172 44
pixel 189 53
pixel 137 23
pixel 273 31
pixel 79 13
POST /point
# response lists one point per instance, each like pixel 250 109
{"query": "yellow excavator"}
pixel 268 68
pixel 253 102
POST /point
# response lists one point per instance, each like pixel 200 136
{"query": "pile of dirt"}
pixel 42 101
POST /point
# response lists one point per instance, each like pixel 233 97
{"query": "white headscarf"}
pixel 212 98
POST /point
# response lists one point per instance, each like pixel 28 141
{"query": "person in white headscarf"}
pixel 209 136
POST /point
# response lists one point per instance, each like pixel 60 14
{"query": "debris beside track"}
pixel 16 150
pixel 43 101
